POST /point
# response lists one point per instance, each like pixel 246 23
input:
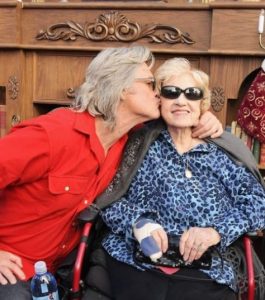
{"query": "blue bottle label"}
pixel 44 288
pixel 51 296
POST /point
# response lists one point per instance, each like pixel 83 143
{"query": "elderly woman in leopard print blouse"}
pixel 188 187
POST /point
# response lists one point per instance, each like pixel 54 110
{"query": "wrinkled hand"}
pixel 209 126
pixel 10 268
pixel 195 241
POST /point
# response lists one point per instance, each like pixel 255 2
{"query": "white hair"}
pixel 108 74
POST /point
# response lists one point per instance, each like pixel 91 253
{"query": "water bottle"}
pixel 43 284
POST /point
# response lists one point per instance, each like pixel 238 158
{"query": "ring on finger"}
pixel 200 248
pixel 197 248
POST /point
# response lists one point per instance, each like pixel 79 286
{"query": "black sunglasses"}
pixel 173 92
pixel 149 81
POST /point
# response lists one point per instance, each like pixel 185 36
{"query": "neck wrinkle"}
pixel 182 139
pixel 108 136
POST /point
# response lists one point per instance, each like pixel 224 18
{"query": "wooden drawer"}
pixel 8 24
pixel 56 74
pixel 235 31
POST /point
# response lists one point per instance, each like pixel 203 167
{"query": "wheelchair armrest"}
pixel 75 293
pixel 89 214
pixel 257 233
pixel 249 260
pixel 250 266
pixel 86 217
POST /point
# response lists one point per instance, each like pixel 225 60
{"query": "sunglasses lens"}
pixel 170 92
pixel 193 93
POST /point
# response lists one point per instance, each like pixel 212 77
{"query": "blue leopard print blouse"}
pixel 219 194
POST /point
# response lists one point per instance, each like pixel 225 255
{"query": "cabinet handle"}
pixel 15 120
pixel 70 93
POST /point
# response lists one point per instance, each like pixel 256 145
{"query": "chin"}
pixel 149 114
pixel 154 115
pixel 157 115
pixel 182 124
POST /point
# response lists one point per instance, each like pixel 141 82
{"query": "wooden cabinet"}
pixel 45 46
pixel 58 74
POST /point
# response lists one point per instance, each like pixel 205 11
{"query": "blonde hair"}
pixel 108 74
pixel 178 66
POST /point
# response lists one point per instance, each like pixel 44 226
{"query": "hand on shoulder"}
pixel 209 126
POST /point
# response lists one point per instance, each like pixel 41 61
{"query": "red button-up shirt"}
pixel 51 168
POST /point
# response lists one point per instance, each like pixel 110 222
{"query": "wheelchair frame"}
pixel 76 285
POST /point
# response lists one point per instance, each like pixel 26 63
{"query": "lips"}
pixel 180 111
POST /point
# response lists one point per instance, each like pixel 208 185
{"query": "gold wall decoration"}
pixel 114 26
pixel 217 99
pixel 13 87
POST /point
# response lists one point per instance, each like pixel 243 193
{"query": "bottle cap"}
pixel 40 267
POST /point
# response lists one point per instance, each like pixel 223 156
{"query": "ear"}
pixel 124 94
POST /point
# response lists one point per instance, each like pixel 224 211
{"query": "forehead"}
pixel 143 71
pixel 181 80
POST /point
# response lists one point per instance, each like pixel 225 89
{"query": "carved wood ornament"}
pixel 114 26
pixel 70 93
pixel 13 87
pixel 217 99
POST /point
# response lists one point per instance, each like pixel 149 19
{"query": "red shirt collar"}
pixel 85 123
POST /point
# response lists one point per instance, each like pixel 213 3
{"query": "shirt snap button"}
pixel 67 188
pixel 85 201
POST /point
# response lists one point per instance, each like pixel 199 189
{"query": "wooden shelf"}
pixel 45 107
pixel 55 102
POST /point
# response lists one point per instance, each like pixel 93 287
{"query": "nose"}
pixel 181 100
pixel 156 93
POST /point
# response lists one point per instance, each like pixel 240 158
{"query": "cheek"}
pixel 196 108
pixel 164 110
pixel 164 113
pixel 196 113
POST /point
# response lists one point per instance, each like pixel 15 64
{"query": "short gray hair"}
pixel 178 66
pixel 107 76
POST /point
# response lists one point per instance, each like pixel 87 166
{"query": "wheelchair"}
pixel 78 284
